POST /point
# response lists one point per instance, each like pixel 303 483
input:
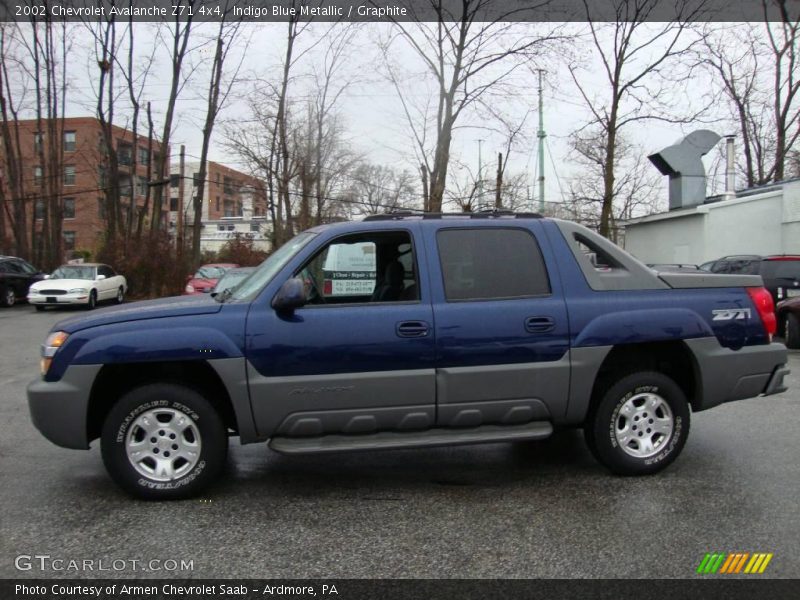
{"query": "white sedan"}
pixel 87 283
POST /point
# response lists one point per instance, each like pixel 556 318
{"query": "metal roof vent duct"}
pixel 684 165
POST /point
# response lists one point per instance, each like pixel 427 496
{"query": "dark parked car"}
pixel 789 321
pixel 781 273
pixel 16 276
pixel 737 263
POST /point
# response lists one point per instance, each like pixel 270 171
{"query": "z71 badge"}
pixel 730 314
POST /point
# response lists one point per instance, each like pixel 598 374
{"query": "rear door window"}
pixel 491 264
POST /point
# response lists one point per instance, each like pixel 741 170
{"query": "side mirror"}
pixel 47 277
pixel 101 277
pixel 292 295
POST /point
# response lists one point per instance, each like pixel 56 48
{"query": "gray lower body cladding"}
pixel 505 396
pixel 392 440
pixel 59 408
pixel 726 375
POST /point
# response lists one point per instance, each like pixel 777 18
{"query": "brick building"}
pixel 83 175
pixel 233 202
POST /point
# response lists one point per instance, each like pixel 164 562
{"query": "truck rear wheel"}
pixel 163 441
pixel 640 424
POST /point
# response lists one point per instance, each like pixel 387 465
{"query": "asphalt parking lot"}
pixel 495 511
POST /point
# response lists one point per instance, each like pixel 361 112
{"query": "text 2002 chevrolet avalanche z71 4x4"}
pixel 407 331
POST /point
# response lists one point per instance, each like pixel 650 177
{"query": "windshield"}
pixel 73 272
pixel 250 288
pixel 232 278
pixel 210 272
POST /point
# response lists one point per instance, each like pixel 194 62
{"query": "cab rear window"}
pixel 491 264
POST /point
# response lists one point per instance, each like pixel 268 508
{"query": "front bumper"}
pixel 64 299
pixel 726 375
pixel 59 409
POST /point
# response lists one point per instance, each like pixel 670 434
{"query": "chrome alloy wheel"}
pixel 163 444
pixel 643 425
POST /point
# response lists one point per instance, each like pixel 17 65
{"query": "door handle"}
pixel 412 329
pixel 539 324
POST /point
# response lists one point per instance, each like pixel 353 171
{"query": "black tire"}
pixel 40 308
pixel 606 427
pixel 92 303
pixel 792 332
pixel 120 296
pixel 8 297
pixel 186 411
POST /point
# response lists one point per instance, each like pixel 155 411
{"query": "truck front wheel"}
pixel 640 424
pixel 163 441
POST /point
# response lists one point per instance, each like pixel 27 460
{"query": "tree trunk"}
pixel 208 127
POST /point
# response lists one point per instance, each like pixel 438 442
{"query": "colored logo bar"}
pixel 734 562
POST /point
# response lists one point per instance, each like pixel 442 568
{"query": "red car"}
pixel 206 278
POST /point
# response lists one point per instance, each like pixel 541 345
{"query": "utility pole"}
pixel 180 201
pixel 541 135
pixel 480 175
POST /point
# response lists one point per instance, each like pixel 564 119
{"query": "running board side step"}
pixel 393 440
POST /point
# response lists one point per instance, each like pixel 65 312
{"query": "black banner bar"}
pixel 265 11
pixel 731 588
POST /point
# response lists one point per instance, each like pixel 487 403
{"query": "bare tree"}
pixel 467 61
pixel 330 83
pixel 375 189
pixel 13 200
pixel 178 43
pixel 635 186
pixel 303 159
pixel 756 67
pixel 106 50
pixel 34 55
pixel 637 59
pixel 227 35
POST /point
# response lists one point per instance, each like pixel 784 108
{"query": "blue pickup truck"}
pixel 455 329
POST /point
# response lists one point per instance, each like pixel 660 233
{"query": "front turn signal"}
pixel 51 345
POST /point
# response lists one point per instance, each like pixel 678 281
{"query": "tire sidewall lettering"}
pixel 131 417
pixel 173 485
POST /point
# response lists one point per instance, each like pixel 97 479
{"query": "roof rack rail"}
pixel 482 214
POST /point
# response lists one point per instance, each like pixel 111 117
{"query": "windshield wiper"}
pixel 226 293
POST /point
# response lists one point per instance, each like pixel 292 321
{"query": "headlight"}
pixel 51 345
pixel 32 292
pixel 190 288
pixel 78 291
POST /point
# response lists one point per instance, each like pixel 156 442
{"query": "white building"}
pixel 234 203
pixel 762 220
